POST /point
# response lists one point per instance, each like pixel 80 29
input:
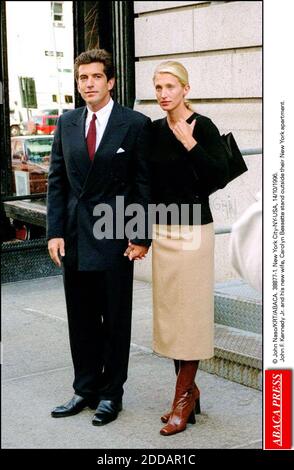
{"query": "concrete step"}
pixel 238 356
pixel 238 305
pixel 238 338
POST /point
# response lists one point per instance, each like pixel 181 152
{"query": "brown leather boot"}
pixel 184 402
pixel 196 392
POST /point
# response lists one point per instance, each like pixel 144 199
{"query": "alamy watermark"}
pixel 133 221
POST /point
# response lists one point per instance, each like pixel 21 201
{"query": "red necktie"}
pixel 91 137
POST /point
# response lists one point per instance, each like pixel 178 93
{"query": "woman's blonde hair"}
pixel 177 70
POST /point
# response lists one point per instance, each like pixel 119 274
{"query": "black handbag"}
pixel 236 163
pixel 235 160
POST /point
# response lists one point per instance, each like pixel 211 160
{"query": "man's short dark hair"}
pixel 95 55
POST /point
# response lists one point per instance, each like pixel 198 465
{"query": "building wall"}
pixel 220 43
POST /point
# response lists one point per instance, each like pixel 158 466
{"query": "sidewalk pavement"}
pixel 37 376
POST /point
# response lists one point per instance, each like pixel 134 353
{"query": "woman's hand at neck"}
pixel 181 112
pixel 177 121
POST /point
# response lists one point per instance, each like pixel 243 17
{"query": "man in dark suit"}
pixel 99 152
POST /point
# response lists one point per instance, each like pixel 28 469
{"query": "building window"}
pixel 54 98
pixel 52 54
pixel 57 13
pixel 68 98
pixel 28 92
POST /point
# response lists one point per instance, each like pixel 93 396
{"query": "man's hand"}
pixel 56 249
pixel 135 252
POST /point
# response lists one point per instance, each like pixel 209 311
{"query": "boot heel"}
pixel 197 406
pixel 191 418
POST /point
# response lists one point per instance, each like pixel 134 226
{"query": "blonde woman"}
pixel 188 161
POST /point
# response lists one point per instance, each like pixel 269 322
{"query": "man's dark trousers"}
pixel 99 308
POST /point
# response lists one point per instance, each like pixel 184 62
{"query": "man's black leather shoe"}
pixel 106 412
pixel 73 407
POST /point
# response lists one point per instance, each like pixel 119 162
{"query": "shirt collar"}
pixel 103 113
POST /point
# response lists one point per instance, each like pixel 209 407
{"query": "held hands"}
pixel 56 249
pixel 184 133
pixel 135 252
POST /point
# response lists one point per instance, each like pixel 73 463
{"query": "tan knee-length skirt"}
pixel 183 283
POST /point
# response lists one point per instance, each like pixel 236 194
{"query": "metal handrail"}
pixel 22 198
pixel 254 151
pixel 244 152
pixel 221 229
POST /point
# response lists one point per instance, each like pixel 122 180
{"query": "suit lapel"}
pixel 80 156
pixel 114 134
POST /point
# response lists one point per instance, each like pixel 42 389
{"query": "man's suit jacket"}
pixel 76 184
